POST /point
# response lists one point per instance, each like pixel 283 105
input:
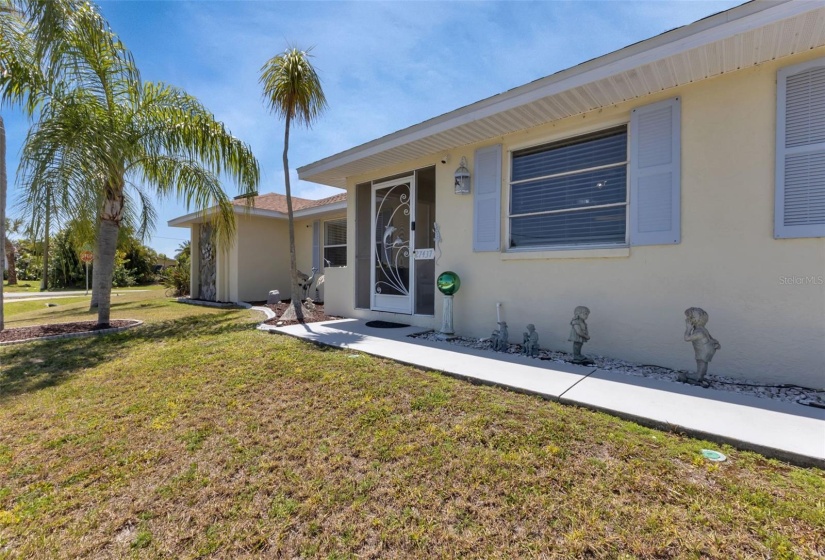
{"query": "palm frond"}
pixel 291 87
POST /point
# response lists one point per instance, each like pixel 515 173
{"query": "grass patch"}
pixel 196 435
pixel 13 308
pixel 22 286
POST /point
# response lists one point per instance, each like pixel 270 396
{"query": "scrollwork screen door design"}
pixel 393 244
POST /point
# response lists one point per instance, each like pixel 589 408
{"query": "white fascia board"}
pixel 316 210
pixel 741 19
pixel 196 217
pixel 186 220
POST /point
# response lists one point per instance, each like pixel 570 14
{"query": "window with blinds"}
pixel 335 242
pixel 800 151
pixel 570 193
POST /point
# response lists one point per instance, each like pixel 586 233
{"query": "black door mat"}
pixel 385 325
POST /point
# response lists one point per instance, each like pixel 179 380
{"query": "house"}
pixel 258 259
pixel 684 170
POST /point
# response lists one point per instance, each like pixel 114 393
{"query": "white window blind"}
pixel 800 151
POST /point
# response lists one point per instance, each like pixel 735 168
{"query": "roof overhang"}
pixel 738 38
pixel 242 210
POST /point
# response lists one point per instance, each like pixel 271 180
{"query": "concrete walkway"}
pixel 792 432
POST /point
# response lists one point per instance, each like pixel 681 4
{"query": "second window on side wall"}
pixel 570 193
pixel 335 242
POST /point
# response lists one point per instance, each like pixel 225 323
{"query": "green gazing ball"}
pixel 448 283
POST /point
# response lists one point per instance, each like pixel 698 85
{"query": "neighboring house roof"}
pixel 276 202
pixel 272 205
pixel 738 38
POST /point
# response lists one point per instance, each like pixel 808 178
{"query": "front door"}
pixel 393 243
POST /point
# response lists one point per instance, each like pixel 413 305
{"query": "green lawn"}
pixel 14 308
pixel 22 286
pixel 196 435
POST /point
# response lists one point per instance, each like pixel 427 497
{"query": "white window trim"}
pixel 588 252
pixel 571 251
pixel 781 231
pixel 324 246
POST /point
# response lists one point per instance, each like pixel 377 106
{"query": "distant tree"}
pixel 66 270
pixel 28 259
pixel 12 226
pixel 177 278
pixel 184 251
pixel 292 91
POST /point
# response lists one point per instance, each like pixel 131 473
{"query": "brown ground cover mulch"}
pixel 315 316
pixel 39 331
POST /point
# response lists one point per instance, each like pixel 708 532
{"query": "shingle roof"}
pixel 277 202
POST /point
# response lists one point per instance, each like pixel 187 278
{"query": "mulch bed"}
pixel 309 316
pixel 39 331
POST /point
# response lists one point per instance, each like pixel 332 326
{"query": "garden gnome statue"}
pixel 530 347
pixel 704 345
pixel 501 337
pixel 578 333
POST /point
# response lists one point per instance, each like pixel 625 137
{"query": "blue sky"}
pixel 384 66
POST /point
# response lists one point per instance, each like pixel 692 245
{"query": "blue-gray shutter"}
pixel 487 199
pixel 800 151
pixel 316 244
pixel 655 174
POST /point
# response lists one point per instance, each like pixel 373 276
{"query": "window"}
pixel 335 242
pixel 570 193
pixel 800 151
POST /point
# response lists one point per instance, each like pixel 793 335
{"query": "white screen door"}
pixel 393 242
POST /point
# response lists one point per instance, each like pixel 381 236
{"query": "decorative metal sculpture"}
pixel 530 346
pixel 501 337
pixel 704 345
pixel 305 282
pixel 578 333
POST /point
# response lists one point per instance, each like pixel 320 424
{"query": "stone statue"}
pixel 501 337
pixel 530 346
pixel 578 333
pixel 704 345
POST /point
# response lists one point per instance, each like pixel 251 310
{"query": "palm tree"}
pixel 109 143
pixel 292 90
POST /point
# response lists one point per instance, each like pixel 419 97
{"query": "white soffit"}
pixel 739 38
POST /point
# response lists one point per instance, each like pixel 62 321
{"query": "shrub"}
pixel 177 279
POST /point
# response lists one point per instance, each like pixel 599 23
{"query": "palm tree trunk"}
pixel 12 266
pixel 44 281
pixel 3 186
pixel 293 264
pixel 104 269
pixel 105 253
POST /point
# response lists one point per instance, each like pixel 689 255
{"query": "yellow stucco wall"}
pixel 728 262
pixel 257 260
pixel 262 258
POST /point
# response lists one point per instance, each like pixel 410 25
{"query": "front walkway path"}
pixel 788 431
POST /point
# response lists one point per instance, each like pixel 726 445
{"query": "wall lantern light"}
pixel 462 178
